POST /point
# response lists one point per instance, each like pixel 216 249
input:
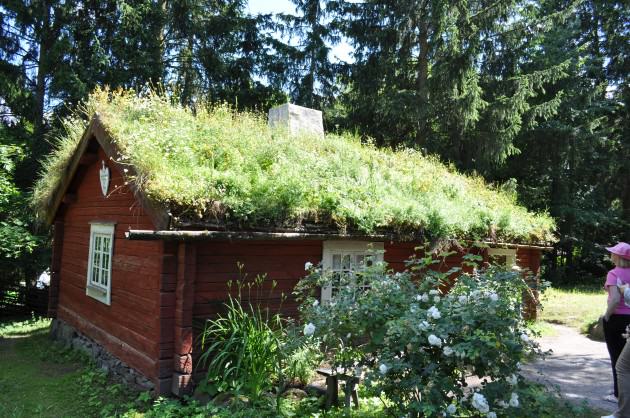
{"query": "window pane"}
pixel 97 243
pixel 336 264
pixel 345 263
pixel 105 277
pixel 95 275
pixel 360 261
pixel 106 241
pixel 105 263
pixel 97 259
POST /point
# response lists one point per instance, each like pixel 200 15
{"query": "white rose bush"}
pixel 416 342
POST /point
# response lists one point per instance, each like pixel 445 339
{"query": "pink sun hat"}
pixel 622 250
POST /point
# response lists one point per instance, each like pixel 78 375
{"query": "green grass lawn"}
pixel 33 381
pixel 577 307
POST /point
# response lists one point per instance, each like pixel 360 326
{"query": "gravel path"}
pixel 578 366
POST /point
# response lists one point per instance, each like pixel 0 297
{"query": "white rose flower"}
pixel 316 303
pixel 447 351
pixel 419 297
pixel 513 380
pixel 434 312
pixel 492 414
pixel 436 299
pixel 424 325
pixel 451 409
pixel 436 341
pixel 383 369
pixel 433 292
pixel 308 265
pixel 425 297
pixel 502 403
pixel 462 299
pixel 524 337
pixel 514 400
pixel 309 329
pixel 480 403
pixel 493 297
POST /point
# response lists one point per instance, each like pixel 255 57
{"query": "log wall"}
pixel 129 328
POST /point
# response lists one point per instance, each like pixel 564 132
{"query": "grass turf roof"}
pixel 220 165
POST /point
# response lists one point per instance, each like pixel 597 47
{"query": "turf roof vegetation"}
pixel 217 164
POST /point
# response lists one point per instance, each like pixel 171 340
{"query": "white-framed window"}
pixel 502 256
pixel 347 257
pixel 99 268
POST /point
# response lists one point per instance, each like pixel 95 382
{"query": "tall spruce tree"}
pixel 309 74
pixel 445 76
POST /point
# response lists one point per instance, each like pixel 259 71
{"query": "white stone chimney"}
pixel 296 119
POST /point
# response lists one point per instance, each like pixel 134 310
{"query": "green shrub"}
pixel 416 344
pixel 301 363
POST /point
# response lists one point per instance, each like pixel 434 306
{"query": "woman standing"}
pixel 617 315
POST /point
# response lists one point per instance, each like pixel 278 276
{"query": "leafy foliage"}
pixel 20 255
pixel 248 350
pixel 219 164
pixel 241 350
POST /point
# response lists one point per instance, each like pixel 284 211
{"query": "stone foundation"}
pixel 70 337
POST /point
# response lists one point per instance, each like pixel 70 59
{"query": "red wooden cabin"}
pixel 124 279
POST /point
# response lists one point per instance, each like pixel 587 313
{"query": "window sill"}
pixel 98 293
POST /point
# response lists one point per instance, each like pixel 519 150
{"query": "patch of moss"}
pixel 216 163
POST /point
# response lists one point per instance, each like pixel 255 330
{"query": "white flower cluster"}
pixel 463 299
pixel 514 400
pixel 422 298
pixel 424 325
pixel 525 337
pixel 512 380
pixel 493 296
pixel 308 265
pixel 434 312
pixel 480 403
pixel 434 292
pixel 492 414
pixel 451 409
pixel 435 341
pixel 447 351
pixel 383 369
pixel 309 329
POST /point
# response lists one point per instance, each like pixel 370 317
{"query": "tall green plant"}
pixel 241 348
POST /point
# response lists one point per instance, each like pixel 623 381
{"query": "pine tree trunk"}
pixel 422 84
pixel 42 70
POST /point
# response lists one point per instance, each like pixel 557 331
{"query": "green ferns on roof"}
pixel 219 164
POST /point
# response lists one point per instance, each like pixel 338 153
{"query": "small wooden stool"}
pixel 332 381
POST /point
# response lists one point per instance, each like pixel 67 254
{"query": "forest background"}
pixel 533 95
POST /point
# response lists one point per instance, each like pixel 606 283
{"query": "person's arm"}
pixel 625 291
pixel 613 301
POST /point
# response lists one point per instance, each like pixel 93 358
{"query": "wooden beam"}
pixel 55 269
pixel 149 235
pixel 183 332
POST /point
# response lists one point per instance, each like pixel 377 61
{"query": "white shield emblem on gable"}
pixel 104 174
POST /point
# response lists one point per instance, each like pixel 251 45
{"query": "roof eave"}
pixel 97 130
